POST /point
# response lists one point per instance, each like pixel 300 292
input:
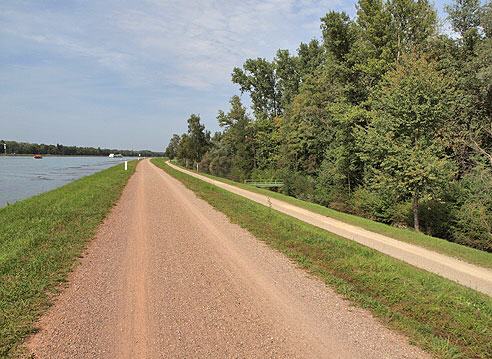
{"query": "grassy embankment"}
pixel 468 254
pixel 40 240
pixel 440 316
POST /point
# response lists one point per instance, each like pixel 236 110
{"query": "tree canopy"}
pixel 384 116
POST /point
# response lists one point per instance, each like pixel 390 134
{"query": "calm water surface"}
pixel 23 176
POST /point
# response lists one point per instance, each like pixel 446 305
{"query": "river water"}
pixel 23 176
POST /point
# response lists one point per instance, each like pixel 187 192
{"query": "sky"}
pixel 127 74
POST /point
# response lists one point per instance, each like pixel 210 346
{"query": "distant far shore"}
pixel 30 149
pixel 56 155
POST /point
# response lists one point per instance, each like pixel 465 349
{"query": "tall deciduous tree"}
pixel 413 23
pixel 288 73
pixel 402 148
pixel 339 33
pixel 383 113
pixel 258 78
pixel 173 147
pixel 464 15
pixel 198 139
pixel 237 139
pixel 306 130
pixel 310 58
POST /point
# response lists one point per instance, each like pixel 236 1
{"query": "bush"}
pixel 237 174
pixel 434 218
pixel 401 214
pixel 473 226
pixel 371 205
pixel 298 185
pixel 204 164
pixel 472 215
pixel 331 188
pixel 328 195
pixel 268 174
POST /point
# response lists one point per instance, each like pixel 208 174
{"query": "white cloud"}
pixel 79 64
pixel 188 43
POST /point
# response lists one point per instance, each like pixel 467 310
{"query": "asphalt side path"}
pixel 168 276
pixel 466 274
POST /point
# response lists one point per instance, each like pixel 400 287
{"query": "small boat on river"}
pixel 37 157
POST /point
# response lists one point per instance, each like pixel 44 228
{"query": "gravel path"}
pixel 467 274
pixel 167 276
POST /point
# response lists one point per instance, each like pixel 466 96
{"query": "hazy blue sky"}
pixel 125 74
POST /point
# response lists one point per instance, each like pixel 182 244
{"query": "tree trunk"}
pixel 415 209
pixel 398 50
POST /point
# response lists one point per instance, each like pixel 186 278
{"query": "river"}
pixel 23 176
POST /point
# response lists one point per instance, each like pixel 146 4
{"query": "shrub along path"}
pixel 467 274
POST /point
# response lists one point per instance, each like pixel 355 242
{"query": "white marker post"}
pixel 126 165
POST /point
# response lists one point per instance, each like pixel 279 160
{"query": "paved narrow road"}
pixel 467 274
pixel 167 276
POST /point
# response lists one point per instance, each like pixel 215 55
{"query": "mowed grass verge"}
pixel 40 240
pixel 467 254
pixel 438 315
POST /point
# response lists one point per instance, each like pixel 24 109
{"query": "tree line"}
pixel 385 117
pixel 13 147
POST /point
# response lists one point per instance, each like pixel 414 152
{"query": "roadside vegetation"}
pixel 467 254
pixel 385 117
pixel 444 318
pixel 40 241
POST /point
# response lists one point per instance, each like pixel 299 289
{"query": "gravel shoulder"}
pixel 169 276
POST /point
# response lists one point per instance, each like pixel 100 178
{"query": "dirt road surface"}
pixel 467 274
pixel 167 276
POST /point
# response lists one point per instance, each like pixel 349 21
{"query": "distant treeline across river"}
pixel 20 148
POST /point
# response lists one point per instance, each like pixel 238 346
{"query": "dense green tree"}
pixel 310 58
pixel 402 147
pixel 184 149
pixel 473 213
pixel 173 146
pixel 218 160
pixel 373 53
pixel 413 23
pixel 287 70
pixel 486 19
pixel 306 130
pixel 265 143
pixel 339 33
pixel 237 139
pixel 259 79
pixel 385 118
pixel 464 15
pixel 198 139
pixel 374 20
pixel 341 171
pixel 469 60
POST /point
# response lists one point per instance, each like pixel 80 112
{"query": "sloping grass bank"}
pixel 440 316
pixel 467 254
pixel 40 240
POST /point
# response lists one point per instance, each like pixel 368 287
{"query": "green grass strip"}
pixel 467 254
pixel 40 240
pixel 440 316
